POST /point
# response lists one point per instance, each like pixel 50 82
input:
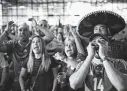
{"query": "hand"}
pixel 72 30
pixel 34 23
pixel 8 27
pixel 103 48
pixel 91 49
pixel 61 77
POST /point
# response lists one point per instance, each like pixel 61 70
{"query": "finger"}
pixel 103 42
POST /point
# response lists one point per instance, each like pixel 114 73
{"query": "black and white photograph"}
pixel 63 45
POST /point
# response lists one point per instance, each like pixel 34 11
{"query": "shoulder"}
pixel 118 42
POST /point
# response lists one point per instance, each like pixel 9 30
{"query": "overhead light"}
pixel 22 7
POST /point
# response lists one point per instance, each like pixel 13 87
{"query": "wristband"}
pixel 104 59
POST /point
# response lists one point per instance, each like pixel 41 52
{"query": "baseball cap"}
pixel 93 36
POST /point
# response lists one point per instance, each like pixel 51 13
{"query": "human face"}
pixel 36 45
pixel 59 37
pixel 100 28
pixel 23 34
pixel 70 48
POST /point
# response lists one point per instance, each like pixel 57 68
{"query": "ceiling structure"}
pixel 13 9
pixel 18 2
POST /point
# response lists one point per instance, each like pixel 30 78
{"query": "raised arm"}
pixel 118 79
pixel 48 36
pixel 4 35
pixel 78 78
pixel 79 46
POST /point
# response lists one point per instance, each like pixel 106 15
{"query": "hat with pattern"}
pixel 112 20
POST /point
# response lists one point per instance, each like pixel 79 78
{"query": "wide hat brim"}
pixel 112 20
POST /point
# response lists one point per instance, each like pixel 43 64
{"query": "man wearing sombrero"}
pixel 99 71
pixel 107 23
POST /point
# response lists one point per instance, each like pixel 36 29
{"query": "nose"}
pixel 68 46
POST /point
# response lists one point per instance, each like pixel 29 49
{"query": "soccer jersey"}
pixel 97 79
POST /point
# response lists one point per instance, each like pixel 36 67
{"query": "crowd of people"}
pixel 41 57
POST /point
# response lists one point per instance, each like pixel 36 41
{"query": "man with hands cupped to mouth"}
pixel 100 72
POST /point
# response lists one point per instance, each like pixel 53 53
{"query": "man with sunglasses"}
pixel 18 49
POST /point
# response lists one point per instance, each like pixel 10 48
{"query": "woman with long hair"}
pixel 41 67
pixel 74 54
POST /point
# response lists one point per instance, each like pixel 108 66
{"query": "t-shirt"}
pixel 37 62
pixel 98 80
pixel 44 81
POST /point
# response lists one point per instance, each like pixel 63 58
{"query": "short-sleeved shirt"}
pixel 3 62
pixel 37 63
pixel 45 78
pixel 96 81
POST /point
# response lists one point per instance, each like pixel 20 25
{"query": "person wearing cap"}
pixel 108 24
pixel 100 72
pixel 19 49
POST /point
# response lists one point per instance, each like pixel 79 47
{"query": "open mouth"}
pixel 68 50
pixel 36 47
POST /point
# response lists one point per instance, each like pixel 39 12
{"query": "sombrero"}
pixel 112 20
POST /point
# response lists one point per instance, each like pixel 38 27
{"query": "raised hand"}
pixel 103 48
pixel 91 49
pixel 8 27
pixel 34 23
